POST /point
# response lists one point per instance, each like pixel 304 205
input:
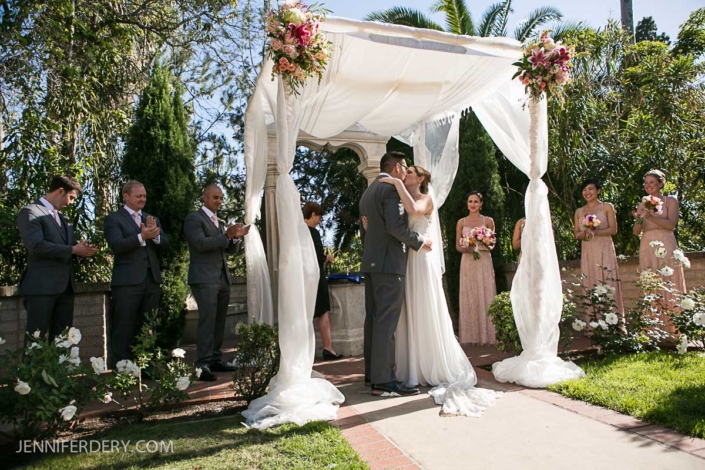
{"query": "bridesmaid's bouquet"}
pixel 479 235
pixel 590 222
pixel 652 204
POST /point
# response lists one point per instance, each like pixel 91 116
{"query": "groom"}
pixel 384 267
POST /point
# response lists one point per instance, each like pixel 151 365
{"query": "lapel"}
pixel 63 234
pixel 209 223
pixel 130 220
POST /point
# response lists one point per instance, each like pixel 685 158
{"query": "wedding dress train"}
pixel 427 352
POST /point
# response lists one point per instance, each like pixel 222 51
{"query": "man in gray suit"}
pixel 47 284
pixel 384 267
pixel 209 243
pixel 134 237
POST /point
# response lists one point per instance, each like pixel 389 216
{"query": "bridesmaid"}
pixel 516 236
pixel 659 227
pixel 597 250
pixel 477 286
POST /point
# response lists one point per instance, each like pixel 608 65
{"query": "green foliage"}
pixel 646 30
pixel 657 387
pixel 160 152
pixel 57 381
pixel 332 180
pixel 256 359
pixel 477 170
pixel 691 38
pixel 691 322
pixel 502 316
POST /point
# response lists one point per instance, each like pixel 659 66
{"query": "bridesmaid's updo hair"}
pixel 658 174
pixel 475 193
pixel 422 173
pixel 311 208
pixel 589 181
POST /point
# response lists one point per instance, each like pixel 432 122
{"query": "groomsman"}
pixel 48 284
pixel 134 237
pixel 209 243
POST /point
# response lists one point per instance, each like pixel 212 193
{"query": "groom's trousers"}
pixel 384 294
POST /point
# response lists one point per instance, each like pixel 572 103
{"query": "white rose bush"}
pixel 688 316
pixel 45 385
pixel 154 377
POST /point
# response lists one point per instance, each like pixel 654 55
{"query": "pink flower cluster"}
pixel 653 204
pixel 479 235
pixel 545 66
pixel 298 48
pixel 590 221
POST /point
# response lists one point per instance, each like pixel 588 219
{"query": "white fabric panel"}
pixel 259 293
pixel 293 395
pixel 520 131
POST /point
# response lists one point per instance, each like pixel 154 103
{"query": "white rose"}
pixel 296 17
pixel 98 365
pixel 688 303
pixel 603 325
pixel 178 352
pixel 682 345
pixel 68 412
pixel 666 271
pixel 22 388
pixel 74 336
pixel 594 324
pixel 134 370
pixel 183 383
pixel 686 263
pixel 612 318
pixel 656 244
pixel 660 252
pixel 621 257
pixel 36 334
pixel 63 344
pixel 678 254
pixel 699 319
pixel 121 366
pixel 198 373
pixel 108 398
pixel 35 346
pixel 578 325
pixel 63 358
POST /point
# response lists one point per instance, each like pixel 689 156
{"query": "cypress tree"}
pixel 160 152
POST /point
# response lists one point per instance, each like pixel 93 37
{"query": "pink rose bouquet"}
pixel 652 204
pixel 297 47
pixel 482 235
pixel 590 222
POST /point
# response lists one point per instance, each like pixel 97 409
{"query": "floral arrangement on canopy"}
pixel 545 66
pixel 298 48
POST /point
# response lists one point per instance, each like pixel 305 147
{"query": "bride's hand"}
pixel 390 180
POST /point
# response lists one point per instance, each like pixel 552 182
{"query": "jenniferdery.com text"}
pixel 95 446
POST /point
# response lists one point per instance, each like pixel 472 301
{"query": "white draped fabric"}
pixel 259 294
pixel 536 294
pixel 392 80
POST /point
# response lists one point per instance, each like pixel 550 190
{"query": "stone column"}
pixel 272 227
pixel 369 169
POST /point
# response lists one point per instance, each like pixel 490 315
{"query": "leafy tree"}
pixel 159 152
pixel 646 30
pixel 691 37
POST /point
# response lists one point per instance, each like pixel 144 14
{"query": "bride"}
pixel 427 351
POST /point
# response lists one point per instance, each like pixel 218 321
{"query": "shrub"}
pixel 507 335
pixel 45 386
pixel 689 318
pixel 256 359
pixel 170 374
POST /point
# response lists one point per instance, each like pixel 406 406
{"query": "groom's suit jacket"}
pixel 49 251
pixel 387 230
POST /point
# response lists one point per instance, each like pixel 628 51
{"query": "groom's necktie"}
pixel 55 214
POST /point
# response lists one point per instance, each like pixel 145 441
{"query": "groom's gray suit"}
pixel 384 267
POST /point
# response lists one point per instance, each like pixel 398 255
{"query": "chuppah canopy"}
pixel 412 83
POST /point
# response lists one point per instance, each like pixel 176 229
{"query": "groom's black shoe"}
pixel 393 387
pixel 368 382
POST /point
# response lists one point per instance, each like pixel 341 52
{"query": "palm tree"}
pixel 493 22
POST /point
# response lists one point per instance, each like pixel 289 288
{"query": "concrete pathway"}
pixel 526 429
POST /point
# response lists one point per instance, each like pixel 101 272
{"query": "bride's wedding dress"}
pixel 427 352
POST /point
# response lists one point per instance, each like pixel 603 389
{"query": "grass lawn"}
pixel 220 443
pixel 659 388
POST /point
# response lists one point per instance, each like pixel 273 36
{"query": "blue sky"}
pixel 668 14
